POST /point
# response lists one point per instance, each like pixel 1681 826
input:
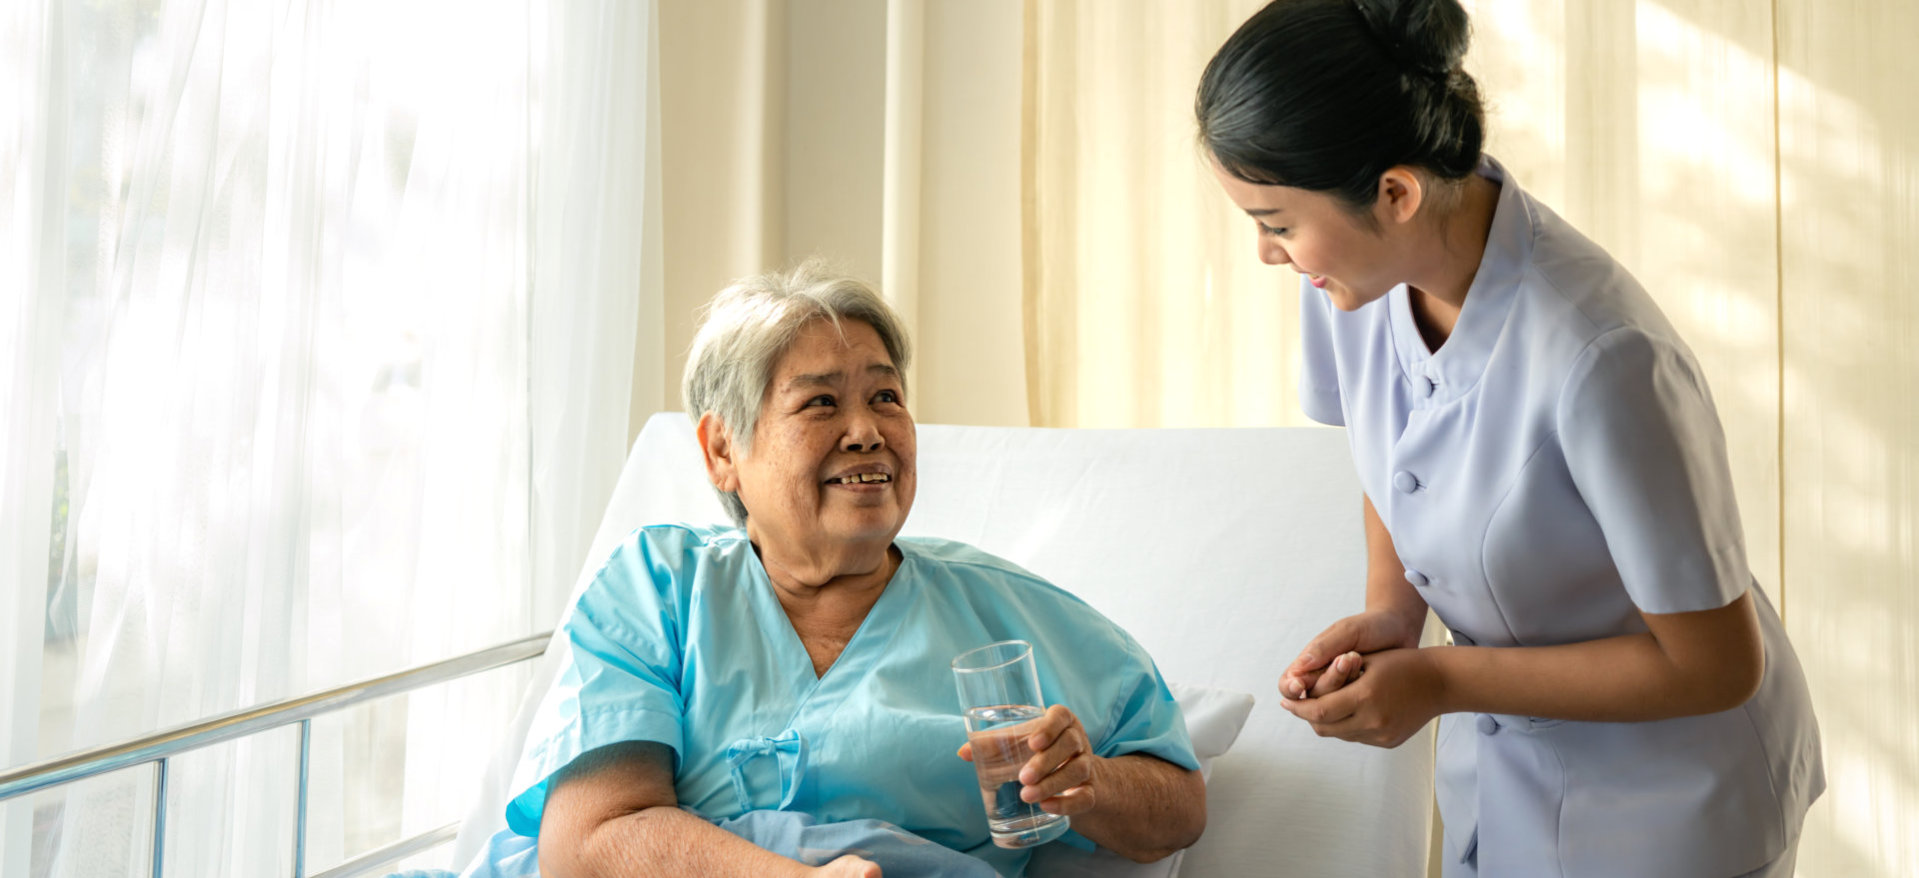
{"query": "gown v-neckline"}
pixel 851 652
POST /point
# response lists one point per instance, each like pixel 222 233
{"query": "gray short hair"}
pixel 747 328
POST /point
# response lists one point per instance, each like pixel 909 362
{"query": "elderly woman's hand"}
pixel 1062 776
pixel 848 866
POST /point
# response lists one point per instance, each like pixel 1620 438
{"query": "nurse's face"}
pixel 831 470
pixel 1320 237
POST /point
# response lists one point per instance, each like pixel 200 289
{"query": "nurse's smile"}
pixel 1301 227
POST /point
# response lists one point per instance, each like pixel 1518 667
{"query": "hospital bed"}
pixel 1222 551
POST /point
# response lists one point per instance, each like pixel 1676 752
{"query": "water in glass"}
pixel 998 735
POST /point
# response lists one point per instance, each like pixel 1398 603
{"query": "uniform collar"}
pixel 1456 368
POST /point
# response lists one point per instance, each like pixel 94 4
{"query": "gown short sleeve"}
pixel 1319 370
pixel 620 673
pixel 1646 452
pixel 1146 718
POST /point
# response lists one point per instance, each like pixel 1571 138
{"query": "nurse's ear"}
pixel 716 445
pixel 1401 192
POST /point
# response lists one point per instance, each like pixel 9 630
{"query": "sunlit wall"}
pixel 1754 164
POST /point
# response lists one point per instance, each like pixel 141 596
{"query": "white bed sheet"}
pixel 1222 551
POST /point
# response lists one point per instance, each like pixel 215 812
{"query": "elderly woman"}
pixel 797 666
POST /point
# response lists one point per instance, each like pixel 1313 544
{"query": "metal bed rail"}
pixel 160 747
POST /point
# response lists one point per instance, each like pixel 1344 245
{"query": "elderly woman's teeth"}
pixel 866 477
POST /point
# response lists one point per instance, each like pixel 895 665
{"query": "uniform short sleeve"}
pixel 1319 371
pixel 619 674
pixel 1647 454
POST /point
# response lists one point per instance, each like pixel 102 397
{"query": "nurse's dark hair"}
pixel 1327 95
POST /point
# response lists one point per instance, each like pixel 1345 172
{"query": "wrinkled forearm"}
pixel 1147 808
pixel 661 841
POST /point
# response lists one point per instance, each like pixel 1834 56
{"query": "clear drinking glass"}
pixel 999 695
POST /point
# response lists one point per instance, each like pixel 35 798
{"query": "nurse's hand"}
pixel 1396 693
pixel 1061 776
pixel 1314 674
pixel 848 866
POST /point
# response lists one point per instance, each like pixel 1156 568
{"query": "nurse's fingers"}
pixel 966 751
pixel 1298 684
pixel 1310 659
pixel 1344 669
pixel 1368 729
pixel 1339 638
pixel 1333 708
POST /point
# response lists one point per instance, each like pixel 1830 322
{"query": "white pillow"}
pixel 1213 720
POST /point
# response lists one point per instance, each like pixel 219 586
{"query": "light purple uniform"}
pixel 1554 470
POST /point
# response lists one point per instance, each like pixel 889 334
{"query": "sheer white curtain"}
pixel 316 349
pixel 32 299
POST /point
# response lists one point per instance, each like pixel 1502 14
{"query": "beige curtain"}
pixel 1848 135
pixel 1144 304
pixel 1755 164
pixel 883 135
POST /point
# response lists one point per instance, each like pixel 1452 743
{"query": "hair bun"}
pixel 1326 95
pixel 1427 36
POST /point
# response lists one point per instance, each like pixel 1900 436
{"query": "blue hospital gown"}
pixel 681 640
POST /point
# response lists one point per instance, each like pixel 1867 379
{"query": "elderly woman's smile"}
pixel 828 479
pixel 863 477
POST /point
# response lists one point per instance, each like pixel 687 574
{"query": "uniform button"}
pixel 1427 386
pixel 1405 482
pixel 1417 578
pixel 1488 725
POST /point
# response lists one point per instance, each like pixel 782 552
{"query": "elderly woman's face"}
pixel 833 454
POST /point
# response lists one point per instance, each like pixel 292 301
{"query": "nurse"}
pixel 1542 466
pixel 776 698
